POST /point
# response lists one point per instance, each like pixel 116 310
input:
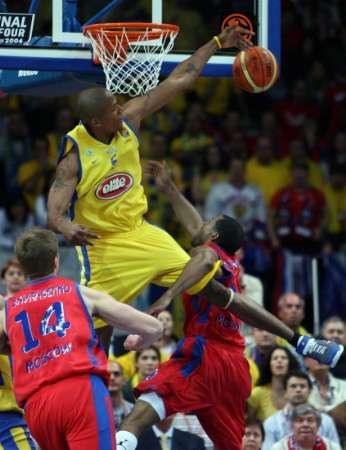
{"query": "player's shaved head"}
pixel 92 102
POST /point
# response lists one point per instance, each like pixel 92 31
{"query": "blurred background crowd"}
pixel 276 162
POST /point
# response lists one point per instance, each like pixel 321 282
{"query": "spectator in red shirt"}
pixel 296 221
pixel 297 214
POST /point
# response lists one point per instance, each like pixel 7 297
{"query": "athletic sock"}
pixel 126 440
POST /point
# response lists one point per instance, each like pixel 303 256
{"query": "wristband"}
pixel 218 42
pixel 231 297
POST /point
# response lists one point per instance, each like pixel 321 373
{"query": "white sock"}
pixel 126 440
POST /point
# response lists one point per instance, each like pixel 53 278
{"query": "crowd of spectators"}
pixel 277 163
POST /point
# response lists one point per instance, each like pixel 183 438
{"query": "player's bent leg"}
pixel 148 410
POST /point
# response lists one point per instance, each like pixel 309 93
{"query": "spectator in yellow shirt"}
pixel 147 361
pixel 265 171
pixel 268 396
pixel 34 175
pixel 335 193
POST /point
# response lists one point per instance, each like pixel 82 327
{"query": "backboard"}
pixel 58 45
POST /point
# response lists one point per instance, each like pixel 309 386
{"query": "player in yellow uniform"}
pixel 14 432
pixel 99 178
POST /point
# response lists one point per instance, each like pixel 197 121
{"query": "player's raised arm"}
pixel 186 213
pixel 123 316
pixel 59 199
pixel 184 75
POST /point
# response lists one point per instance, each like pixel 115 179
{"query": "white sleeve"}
pixel 212 204
pixel 270 438
pixel 328 429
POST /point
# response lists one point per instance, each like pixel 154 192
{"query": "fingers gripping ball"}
pixel 255 70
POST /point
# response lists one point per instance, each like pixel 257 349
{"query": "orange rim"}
pixel 134 30
pixel 238 19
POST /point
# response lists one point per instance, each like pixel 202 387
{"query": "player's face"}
pixel 335 331
pixel 165 317
pixel 14 280
pixel 279 362
pixel 110 121
pixel 305 426
pixel 252 439
pixel 116 379
pixel 297 391
pixel 292 311
pixel 206 232
pixel 147 362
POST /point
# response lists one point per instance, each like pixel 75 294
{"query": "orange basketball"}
pixel 255 69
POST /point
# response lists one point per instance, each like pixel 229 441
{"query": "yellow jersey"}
pixel 269 178
pixel 109 195
pixel 7 400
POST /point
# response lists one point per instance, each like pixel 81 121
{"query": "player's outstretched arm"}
pixel 186 213
pixel 326 352
pixel 123 316
pixel 59 199
pixel 183 76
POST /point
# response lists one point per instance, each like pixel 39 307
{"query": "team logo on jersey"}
pixel 114 186
pixel 89 152
pixel 152 375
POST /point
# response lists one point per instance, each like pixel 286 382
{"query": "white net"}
pixel 131 67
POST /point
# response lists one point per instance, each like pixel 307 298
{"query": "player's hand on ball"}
pixel 236 36
pixel 160 171
pixel 133 342
pixel 79 235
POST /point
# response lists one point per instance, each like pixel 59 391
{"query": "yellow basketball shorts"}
pixel 125 263
pixel 14 432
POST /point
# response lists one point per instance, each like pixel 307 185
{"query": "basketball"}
pixel 255 70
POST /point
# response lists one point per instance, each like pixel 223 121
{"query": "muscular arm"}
pixel 246 309
pixel 122 316
pixel 201 264
pixel 186 213
pixel 61 192
pixel 182 77
pixel 59 199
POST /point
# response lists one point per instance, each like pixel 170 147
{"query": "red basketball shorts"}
pixel 72 414
pixel 209 379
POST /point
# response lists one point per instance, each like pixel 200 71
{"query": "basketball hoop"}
pixel 131 54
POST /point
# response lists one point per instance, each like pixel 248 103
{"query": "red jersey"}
pixel 210 321
pixel 52 336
